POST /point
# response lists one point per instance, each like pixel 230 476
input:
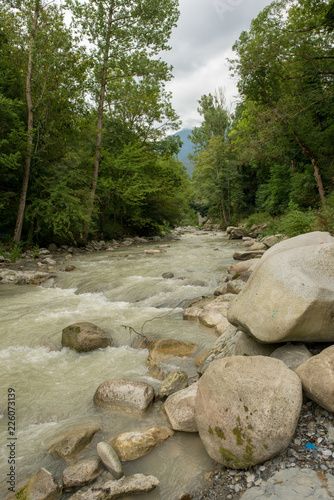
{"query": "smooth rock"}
pixel 293 355
pixel 82 473
pixel 246 345
pixel 247 409
pixel 70 445
pixel 84 337
pixel 168 276
pixel 132 485
pixel 41 486
pixel 180 409
pixel 124 394
pixel 243 266
pixel 165 349
pixel 294 484
pixel 247 255
pixel 110 459
pixel 174 382
pixel 136 444
pixel 290 295
pixel 235 286
pixel 210 317
pixel 317 376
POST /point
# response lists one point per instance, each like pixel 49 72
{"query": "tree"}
pixel 284 64
pixel 121 32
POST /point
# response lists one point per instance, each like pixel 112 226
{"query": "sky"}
pixel 201 43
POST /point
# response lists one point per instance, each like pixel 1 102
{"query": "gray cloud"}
pixel 201 44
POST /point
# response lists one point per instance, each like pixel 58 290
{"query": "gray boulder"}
pixel 247 409
pixel 82 473
pixel 180 409
pixel 293 355
pixel 132 485
pixel 294 484
pixel 124 394
pixel 317 376
pixel 84 337
pixel 290 295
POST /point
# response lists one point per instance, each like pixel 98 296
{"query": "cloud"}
pixel 201 43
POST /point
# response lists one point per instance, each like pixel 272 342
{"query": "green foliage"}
pixel 11 250
pixel 257 219
pixel 325 216
pixel 296 222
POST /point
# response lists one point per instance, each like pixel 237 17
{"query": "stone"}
pixel 222 326
pixel 168 276
pixel 248 346
pixel 223 347
pixel 82 473
pixel 317 376
pixel 293 355
pixel 201 358
pixel 257 246
pixel 294 484
pixel 290 295
pixel 174 382
pixel 272 240
pixel 247 255
pixel 69 268
pixel 48 261
pixel 70 445
pixel 247 409
pixel 165 349
pixel 210 317
pixel 242 266
pixel 235 286
pixel 132 485
pixel 110 459
pixel 136 444
pixel 180 409
pixel 159 371
pixel 53 248
pixel 124 394
pixel 85 337
pixel 41 486
pixel 235 233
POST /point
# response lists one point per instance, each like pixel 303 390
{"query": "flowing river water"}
pixel 54 388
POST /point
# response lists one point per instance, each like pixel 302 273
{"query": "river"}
pixel 54 388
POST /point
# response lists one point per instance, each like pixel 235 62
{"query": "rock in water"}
pixel 132 445
pixel 174 382
pixel 69 446
pixel 165 349
pixel 124 394
pixel 82 473
pixel 84 337
pixel 131 485
pixel 290 294
pixel 41 486
pixel 110 459
pixel 247 409
pixel 180 409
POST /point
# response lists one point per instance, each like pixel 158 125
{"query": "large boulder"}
pixel 136 444
pixel 132 485
pixel 124 394
pixel 317 376
pixel 290 295
pixel 84 337
pixel 41 486
pixel 82 473
pixel 180 409
pixel 165 349
pixel 247 409
pixel 70 445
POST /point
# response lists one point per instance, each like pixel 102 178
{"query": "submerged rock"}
pixel 70 445
pixel 124 394
pixel 165 349
pixel 84 337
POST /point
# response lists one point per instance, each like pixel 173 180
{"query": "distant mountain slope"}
pixel 185 150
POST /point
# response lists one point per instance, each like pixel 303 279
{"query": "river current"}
pixel 54 386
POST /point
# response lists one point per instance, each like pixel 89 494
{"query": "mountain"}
pixel 187 148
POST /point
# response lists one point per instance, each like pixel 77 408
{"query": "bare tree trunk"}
pixel 99 125
pixel 30 130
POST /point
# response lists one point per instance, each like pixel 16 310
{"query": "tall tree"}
pixel 121 31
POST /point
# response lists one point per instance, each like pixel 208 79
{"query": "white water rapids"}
pixel 54 388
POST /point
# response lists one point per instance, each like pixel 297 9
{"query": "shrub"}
pixel 296 222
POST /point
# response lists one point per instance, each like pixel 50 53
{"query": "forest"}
pixel 87 130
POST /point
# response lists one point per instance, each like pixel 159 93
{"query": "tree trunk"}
pixel 30 130
pixel 99 125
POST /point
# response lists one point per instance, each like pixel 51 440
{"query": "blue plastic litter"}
pixel 311 446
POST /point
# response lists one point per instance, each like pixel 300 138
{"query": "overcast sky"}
pixel 202 41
